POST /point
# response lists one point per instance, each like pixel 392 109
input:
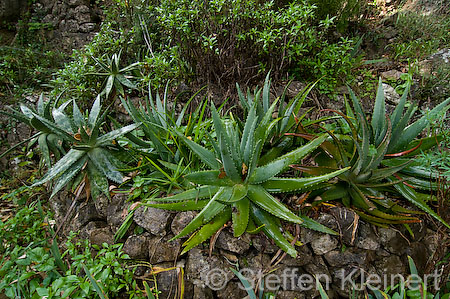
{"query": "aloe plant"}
pixel 91 155
pixel 49 142
pixel 116 77
pixel 276 143
pixel 236 188
pixel 376 153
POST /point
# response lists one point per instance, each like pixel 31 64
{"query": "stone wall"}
pixel 73 22
pixel 10 10
pixel 68 24
pixel 360 250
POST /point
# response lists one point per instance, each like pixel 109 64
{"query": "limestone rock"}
pixel 153 220
pixel 391 75
pixel 181 220
pixel 367 238
pixel 324 244
pixel 227 241
pixel 98 236
pixel 161 250
pixel 336 258
pixel 206 272
pixel 233 290
pixel 390 95
pixel 136 246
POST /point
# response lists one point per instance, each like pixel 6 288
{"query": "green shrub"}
pixel 213 41
pixel 343 10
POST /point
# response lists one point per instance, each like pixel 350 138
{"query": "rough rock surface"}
pixel 359 248
pixel 153 220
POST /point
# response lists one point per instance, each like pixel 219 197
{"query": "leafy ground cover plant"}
pixel 30 269
pixel 376 153
pixel 238 188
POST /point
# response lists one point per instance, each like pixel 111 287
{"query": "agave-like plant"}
pixel 91 156
pixel 116 77
pixel 49 143
pixel 376 153
pixel 237 188
pixel 276 143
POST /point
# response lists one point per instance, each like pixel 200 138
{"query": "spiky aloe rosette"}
pixel 49 142
pixel 379 155
pixel 91 155
pixel 237 188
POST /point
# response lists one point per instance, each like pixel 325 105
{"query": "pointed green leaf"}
pixel 109 137
pixel 181 205
pixel 54 128
pixel 207 230
pixel 124 81
pixel 270 170
pixel 209 211
pixel 272 229
pixel 411 195
pixel 412 131
pixel 61 166
pixel 397 114
pixel 247 286
pixel 98 181
pixel 192 194
pixel 103 161
pixel 278 185
pixel 240 216
pixel 77 115
pixel 205 155
pixel 43 147
pixel 61 119
pixel 239 191
pixel 95 112
pixel 379 114
pixel 399 128
pixel 228 163
pixel 259 196
pixel 314 225
pixel 382 173
pixel 68 175
pixel 209 177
